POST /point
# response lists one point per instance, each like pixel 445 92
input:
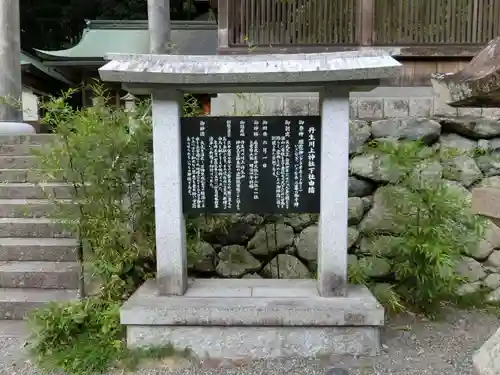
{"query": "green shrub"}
pixel 110 169
pixel 77 337
pixel 433 229
pixel 104 153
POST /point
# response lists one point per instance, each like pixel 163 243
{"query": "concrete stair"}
pixel 38 255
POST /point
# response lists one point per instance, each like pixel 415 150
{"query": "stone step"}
pixel 16 303
pixel 22 149
pixel 28 207
pixel 39 275
pixel 29 139
pixel 28 190
pixel 33 227
pixel 19 162
pixel 39 249
pixel 28 175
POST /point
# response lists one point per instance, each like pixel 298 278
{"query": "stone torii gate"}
pixel 251 318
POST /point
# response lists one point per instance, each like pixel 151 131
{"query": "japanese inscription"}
pixel 251 164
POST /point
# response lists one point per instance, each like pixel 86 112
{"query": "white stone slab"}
pixel 487 358
pixel 249 343
pixel 288 303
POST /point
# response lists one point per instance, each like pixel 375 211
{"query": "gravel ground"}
pixel 412 346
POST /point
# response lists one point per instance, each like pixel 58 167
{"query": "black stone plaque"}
pixel 251 164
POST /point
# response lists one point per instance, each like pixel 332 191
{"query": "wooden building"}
pixel 427 36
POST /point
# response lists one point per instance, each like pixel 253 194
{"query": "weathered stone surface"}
pixel 203 258
pixel 487 360
pixel 473 127
pixel 490 241
pixel 41 275
pixel 455 143
pixel 381 289
pixel 483 145
pixel 379 245
pixel 494 296
pixel 395 107
pixel 271 239
pixel 356 210
pixel 241 306
pixel 476 85
pixel 490 182
pixel 370 108
pixel 489 164
pixel 463 169
pixel 486 202
pixel 367 203
pixel 457 189
pixel 299 221
pixel 307 244
pixel 275 71
pixel 36 191
pixel 352 236
pixel 490 145
pixel 374 167
pixel 228 229
pixel 359 133
pixel 375 266
pixel 380 218
pixel 469 288
pixel 412 129
pixel 252 302
pixel 492 281
pixel 235 261
pixel 18 303
pixel 489 270
pixel 494 260
pixel 252 276
pixel 352 260
pixel 336 371
pixel 258 343
pixel 39 249
pixel 421 107
pixel 359 187
pixel 470 269
pixel 285 266
pixel 427 172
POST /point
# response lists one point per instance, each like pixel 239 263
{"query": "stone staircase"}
pixel 38 258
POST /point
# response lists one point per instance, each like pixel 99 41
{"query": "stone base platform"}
pixel 254 319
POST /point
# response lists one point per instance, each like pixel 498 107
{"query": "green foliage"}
pixel 433 225
pixel 385 293
pixel 110 169
pixel 86 337
pixel 79 337
pixel 104 153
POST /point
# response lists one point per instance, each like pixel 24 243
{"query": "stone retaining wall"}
pixel 286 246
pixel 383 102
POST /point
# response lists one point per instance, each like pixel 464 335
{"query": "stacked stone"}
pixel 286 246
